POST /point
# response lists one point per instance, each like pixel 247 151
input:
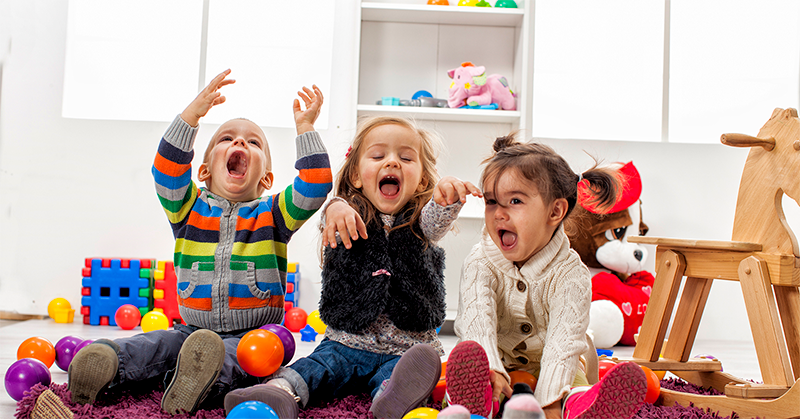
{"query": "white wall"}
pixel 71 189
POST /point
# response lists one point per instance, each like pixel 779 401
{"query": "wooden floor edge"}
pixel 12 315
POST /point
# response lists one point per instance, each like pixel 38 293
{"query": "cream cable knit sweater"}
pixel 532 319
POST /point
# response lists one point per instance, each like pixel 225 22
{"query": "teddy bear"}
pixel 620 285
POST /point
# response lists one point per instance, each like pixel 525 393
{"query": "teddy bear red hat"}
pixel 629 192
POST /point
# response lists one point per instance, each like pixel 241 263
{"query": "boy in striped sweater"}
pixel 230 255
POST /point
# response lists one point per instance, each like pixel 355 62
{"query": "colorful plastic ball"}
pixel 316 323
pixel 523 377
pixel 287 339
pixel 65 351
pixel 127 316
pixel 604 365
pixel 508 4
pixel 82 345
pixel 467 2
pixel 260 352
pixel 24 374
pixel 154 320
pixel 653 385
pixel 296 319
pixel 422 413
pixel 39 348
pixel 252 410
pixel 57 304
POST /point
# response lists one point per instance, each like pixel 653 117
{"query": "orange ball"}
pixel 523 377
pixel 39 348
pixel 653 385
pixel 260 352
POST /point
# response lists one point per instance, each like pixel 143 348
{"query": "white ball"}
pixel 606 323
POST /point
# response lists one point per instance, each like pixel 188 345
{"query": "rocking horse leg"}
pixel 785 406
pixel 773 357
pixel 788 299
pixel 669 272
pixel 693 301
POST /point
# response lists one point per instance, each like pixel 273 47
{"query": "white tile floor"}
pixel 738 358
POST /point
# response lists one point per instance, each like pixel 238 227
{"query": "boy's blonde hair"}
pixel 212 143
pixel 430 147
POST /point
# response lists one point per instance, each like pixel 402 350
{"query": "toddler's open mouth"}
pixel 389 186
pixel 237 164
pixel 507 238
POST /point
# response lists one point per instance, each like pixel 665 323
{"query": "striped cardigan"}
pixel 230 257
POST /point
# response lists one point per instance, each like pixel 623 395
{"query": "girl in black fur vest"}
pixel 382 278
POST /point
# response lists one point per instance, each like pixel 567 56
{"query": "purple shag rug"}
pixel 130 405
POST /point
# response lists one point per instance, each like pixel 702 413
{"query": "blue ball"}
pixel 421 93
pixel 252 410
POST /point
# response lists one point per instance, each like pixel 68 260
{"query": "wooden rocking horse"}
pixel 764 257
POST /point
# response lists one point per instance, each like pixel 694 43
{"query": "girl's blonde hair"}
pixel 430 146
pixel 549 172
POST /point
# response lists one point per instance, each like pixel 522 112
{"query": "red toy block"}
pixel 288 306
pixel 86 291
pixel 166 281
pixel 103 320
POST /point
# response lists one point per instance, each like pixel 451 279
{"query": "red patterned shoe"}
pixel 619 395
pixel 467 378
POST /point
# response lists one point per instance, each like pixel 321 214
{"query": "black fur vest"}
pixel 396 275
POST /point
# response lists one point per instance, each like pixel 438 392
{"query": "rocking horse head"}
pixel 771 170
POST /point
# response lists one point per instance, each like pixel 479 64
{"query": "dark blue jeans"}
pixel 154 354
pixel 334 370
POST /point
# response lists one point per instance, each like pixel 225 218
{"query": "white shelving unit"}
pixel 406 47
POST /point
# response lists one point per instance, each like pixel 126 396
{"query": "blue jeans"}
pixel 154 354
pixel 335 370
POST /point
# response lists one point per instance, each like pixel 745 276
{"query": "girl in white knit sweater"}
pixel 525 295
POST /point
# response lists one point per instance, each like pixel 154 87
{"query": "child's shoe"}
pixel 467 378
pixel 199 364
pixel 49 406
pixel 454 411
pixel 523 406
pixel 92 370
pixel 619 395
pixel 280 398
pixel 413 379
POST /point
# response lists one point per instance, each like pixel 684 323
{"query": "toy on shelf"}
pixel 439 2
pixel 508 4
pixel 472 87
pixel 24 374
pixel 287 339
pixel 260 352
pixel 60 310
pixel 620 286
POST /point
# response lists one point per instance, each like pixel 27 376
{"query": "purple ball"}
pixel 82 345
pixel 286 338
pixel 24 374
pixel 65 351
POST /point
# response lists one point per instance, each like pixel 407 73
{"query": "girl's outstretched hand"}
pixel 206 99
pixel 343 219
pixel 451 189
pixel 304 119
pixel 499 385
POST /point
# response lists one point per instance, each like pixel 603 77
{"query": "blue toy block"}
pixel 111 287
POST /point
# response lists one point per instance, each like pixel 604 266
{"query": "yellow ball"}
pixel 422 413
pixel 467 2
pixel 57 304
pixel 154 320
pixel 316 323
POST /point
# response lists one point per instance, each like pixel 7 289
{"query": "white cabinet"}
pixel 406 47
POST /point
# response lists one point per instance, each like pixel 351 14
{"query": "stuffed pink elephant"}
pixel 472 87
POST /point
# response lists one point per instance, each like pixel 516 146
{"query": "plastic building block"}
pixel 165 292
pixel 110 284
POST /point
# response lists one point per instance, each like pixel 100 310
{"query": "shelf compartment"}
pixel 442 114
pixel 446 15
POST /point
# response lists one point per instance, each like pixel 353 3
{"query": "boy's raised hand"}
pixel 451 189
pixel 304 119
pixel 206 99
pixel 343 219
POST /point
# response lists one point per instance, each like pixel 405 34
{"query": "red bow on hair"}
pixel 349 149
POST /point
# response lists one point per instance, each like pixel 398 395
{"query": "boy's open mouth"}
pixel 508 239
pixel 237 164
pixel 389 186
